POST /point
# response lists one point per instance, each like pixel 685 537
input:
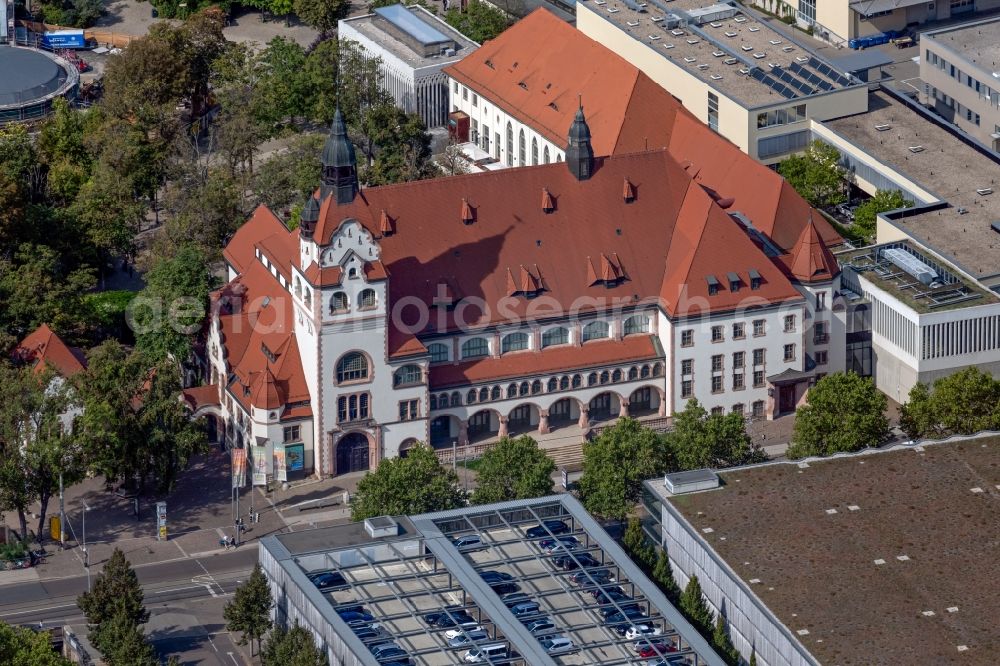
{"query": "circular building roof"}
pixel 28 75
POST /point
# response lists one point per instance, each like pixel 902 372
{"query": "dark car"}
pixel 592 576
pixel 355 619
pixel 369 633
pixel 495 576
pixel 513 598
pixel 352 608
pixel 450 618
pixel 505 588
pixel 559 543
pixel 392 654
pixel 546 528
pixel 569 563
pixel 633 613
pixel 597 591
pixel 606 596
pixel 328 580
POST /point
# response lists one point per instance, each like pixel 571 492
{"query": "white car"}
pixel 557 645
pixel 458 631
pixel 640 630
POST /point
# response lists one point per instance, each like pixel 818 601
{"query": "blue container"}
pixel 64 39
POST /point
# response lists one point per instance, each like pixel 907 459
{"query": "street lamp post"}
pixel 86 553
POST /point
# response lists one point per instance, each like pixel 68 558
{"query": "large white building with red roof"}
pixel 559 296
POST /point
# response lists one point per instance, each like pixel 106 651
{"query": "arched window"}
pixel 633 372
pixel 307 297
pixel 523 388
pixel 520 149
pixel 510 145
pixel 555 336
pixel 637 324
pixel 512 391
pixel 644 372
pixel 534 151
pixel 514 342
pixel 366 299
pixel 495 393
pixel 553 385
pixel 438 352
pixel 605 377
pixel 298 288
pixel 616 376
pixel 564 383
pixel 536 387
pixel 338 302
pixel 545 156
pixel 577 381
pixel 475 348
pixel 443 400
pixel 657 369
pixel 471 397
pixel 592 379
pixel 558 157
pixel 456 399
pixel 407 375
pixel 484 394
pixel 595 330
pixel 352 367
pixel 433 402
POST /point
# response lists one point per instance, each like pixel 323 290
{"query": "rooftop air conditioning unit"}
pixel 916 149
pixel 983 191
pixel 911 264
pixel 884 127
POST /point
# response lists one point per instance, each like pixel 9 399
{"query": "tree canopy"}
pixel 249 612
pixel 416 483
pixel 843 412
pixel 962 403
pixel 513 469
pixel 616 463
pixel 479 22
pixel 865 214
pixel 115 591
pixel 700 439
pixel 292 647
pixel 20 646
pixel 816 174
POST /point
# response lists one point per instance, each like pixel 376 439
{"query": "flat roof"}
pixel 719 48
pixel 944 164
pixel 400 579
pixel 886 556
pixel 422 25
pixel 976 41
pixel 951 293
pixel 28 75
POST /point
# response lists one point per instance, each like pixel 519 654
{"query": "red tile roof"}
pixel 239 252
pixel 553 359
pixel 542 65
pixel 201 396
pixel 43 348
pixel 811 259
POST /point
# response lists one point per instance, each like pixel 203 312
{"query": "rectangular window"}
pixel 820 336
pixel 717 384
pixel 738 359
pixel 738 381
pixel 352 407
pixel 821 358
pixel 758 378
pixel 789 353
pixel 717 363
pixel 465 94
pixel 486 137
pixel 789 323
pixel 409 410
pixel 758 409
pixel 475 99
pixel 713 112
pixel 718 411
pixel 821 301
pixel 687 338
pixel 738 331
pixel 687 388
pixel 717 334
pixel 687 366
pixel 758 356
pixel 738 408
pixel 758 327
pixel 293 433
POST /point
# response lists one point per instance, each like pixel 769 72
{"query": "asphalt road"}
pixel 185 599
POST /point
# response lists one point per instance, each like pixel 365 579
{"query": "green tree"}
pixel 285 89
pixel 479 22
pixel 206 207
pixel 107 208
pixel 694 607
pixel 663 575
pixel 417 483
pixel 616 463
pixel 403 147
pixel 718 440
pixel 513 469
pixel 722 643
pixel 321 14
pixel 637 545
pixel 322 60
pixel 965 402
pixel 291 175
pixel 20 646
pixel 753 657
pixel 844 412
pixel 250 610
pixel 292 647
pixel 884 200
pixel 115 592
pixel 816 174
pixel 122 642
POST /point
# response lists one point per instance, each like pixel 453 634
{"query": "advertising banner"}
pixel 280 468
pixel 239 467
pixel 161 521
pixel 259 463
pixel 295 457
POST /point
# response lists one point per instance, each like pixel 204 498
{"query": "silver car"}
pixel 467 639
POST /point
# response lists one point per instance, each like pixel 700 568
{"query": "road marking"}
pixel 37 610
pixel 214 646
pixel 178 589
pixel 233 658
pixel 176 543
pixel 211 582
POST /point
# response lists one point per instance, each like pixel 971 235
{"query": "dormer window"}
pixel 754 279
pixel 713 285
pixel 734 282
pixel 352 272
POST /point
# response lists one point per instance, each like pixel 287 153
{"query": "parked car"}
pixel 578 561
pixel 495 576
pixel 640 630
pixel 469 543
pixel 459 631
pixel 525 608
pixel 328 580
pixel 611 610
pixel 651 651
pixel 505 588
pixel 669 661
pixel 540 626
pixel 370 633
pixel 512 598
pixel 656 645
pixel 351 608
pixel 546 528
pixel 393 654
pixel 483 653
pixel 559 543
pixel 624 616
pixel 592 576
pixel 379 648
pixel 557 645
pixel 450 618
pixel 466 639
pixel 356 619
pixel 608 595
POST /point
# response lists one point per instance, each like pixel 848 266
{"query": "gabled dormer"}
pixel 351 276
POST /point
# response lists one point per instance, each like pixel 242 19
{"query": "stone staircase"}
pixel 568 456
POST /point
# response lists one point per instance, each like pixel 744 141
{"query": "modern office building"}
pixel 393 573
pixel 872 558
pixel 414 46
pixel 751 84
pixel 961 76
